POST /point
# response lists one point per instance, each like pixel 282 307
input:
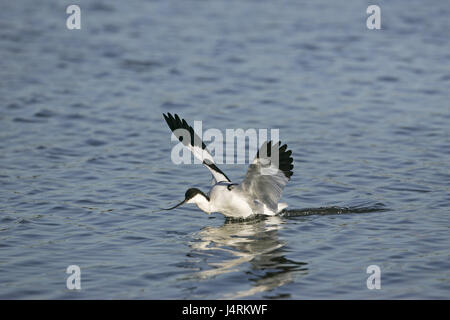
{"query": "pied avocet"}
pixel 257 194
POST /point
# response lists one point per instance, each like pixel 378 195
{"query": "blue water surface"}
pixel 85 155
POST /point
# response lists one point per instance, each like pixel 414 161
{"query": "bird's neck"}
pixel 203 203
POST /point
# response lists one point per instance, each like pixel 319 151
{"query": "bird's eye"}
pixel 230 187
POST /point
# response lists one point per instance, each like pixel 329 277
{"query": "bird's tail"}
pixel 282 206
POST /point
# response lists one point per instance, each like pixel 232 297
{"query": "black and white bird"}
pixel 260 191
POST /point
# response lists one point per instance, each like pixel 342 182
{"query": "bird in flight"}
pixel 260 191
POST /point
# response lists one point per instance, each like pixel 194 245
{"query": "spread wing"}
pixel 185 133
pixel 267 175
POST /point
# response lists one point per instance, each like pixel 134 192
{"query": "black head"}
pixel 190 193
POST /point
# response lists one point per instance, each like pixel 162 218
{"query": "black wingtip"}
pixel 285 159
pixel 175 122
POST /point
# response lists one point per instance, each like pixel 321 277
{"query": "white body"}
pixel 232 203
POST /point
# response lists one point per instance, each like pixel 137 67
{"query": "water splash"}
pixel 333 210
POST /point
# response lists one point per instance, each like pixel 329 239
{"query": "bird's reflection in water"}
pixel 250 247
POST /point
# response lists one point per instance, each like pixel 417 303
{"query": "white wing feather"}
pixel 265 179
